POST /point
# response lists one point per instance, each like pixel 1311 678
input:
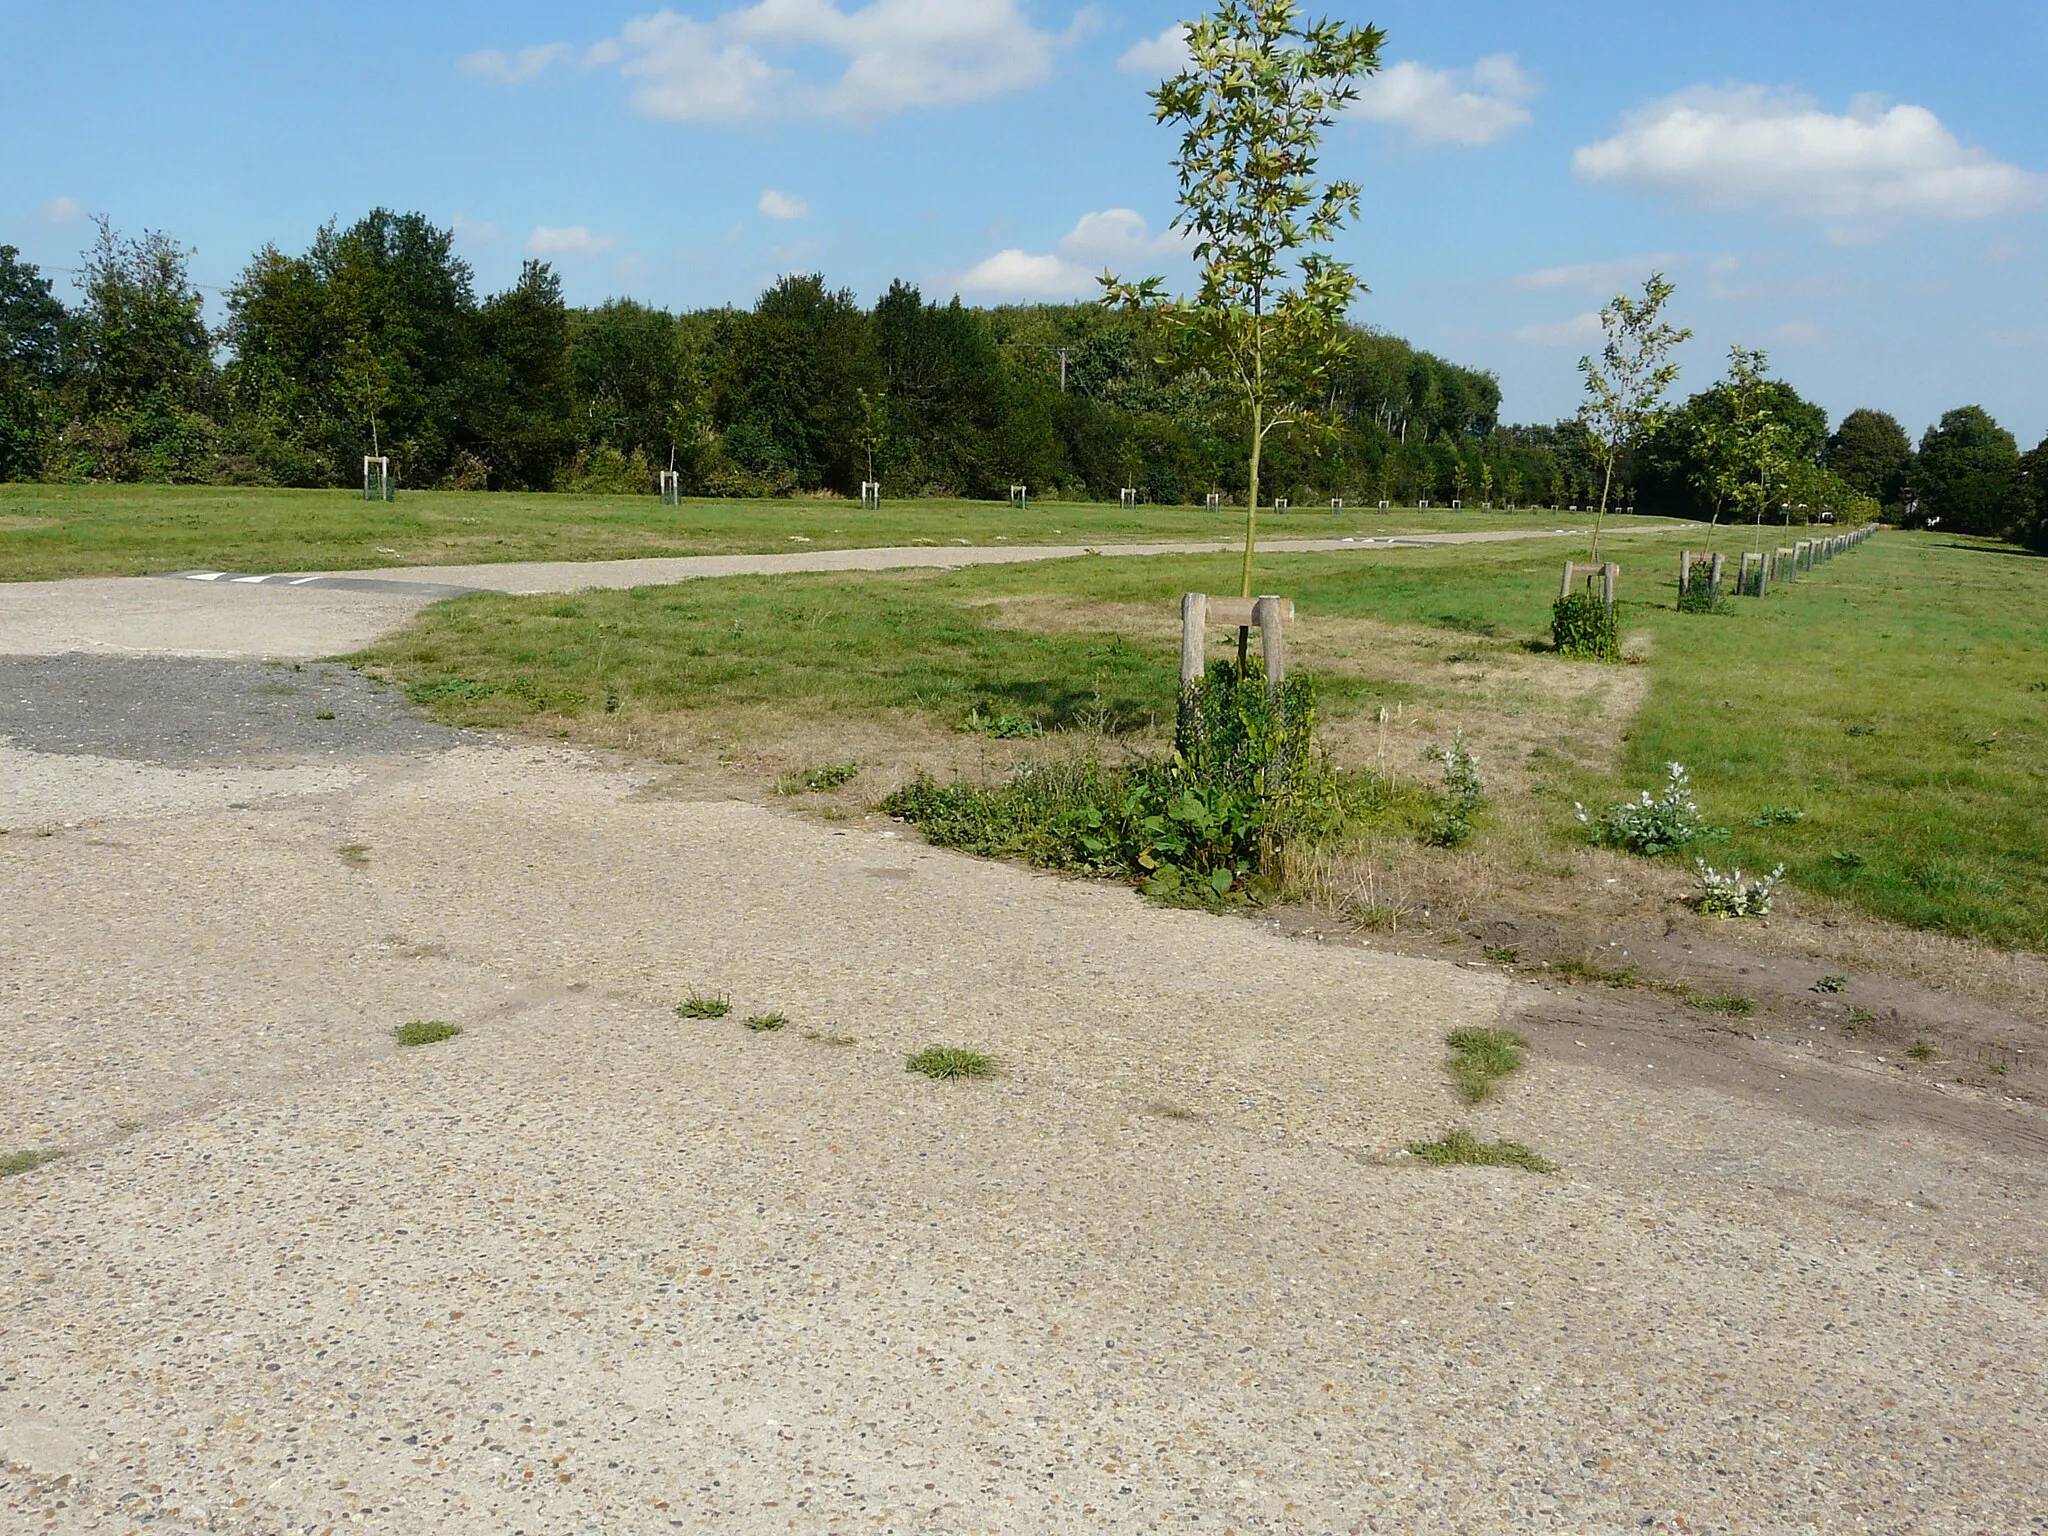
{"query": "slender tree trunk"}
pixel 1251 530
pixel 1605 485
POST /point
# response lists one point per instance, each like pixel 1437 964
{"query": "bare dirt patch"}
pixel 15 522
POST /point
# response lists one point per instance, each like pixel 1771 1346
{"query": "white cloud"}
pixel 1018 274
pixel 573 240
pixel 1748 147
pixel 896 54
pixel 1576 331
pixel 780 205
pixel 1489 101
pixel 1112 237
pixel 1160 57
pixel 63 210
pixel 511 68
pixel 473 231
pixel 1599 276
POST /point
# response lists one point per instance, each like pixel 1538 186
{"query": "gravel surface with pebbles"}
pixel 590 1266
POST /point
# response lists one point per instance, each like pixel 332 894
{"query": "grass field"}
pixel 133 530
pixel 1897 700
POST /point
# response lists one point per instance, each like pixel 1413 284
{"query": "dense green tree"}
pixel 519 408
pixel 632 370
pixel 2034 477
pixel 32 327
pixel 1873 455
pixel 1968 475
pixel 1699 462
pixel 787 392
pixel 945 384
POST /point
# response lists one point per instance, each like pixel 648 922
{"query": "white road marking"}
pixel 301 581
pixel 204 575
pixel 249 580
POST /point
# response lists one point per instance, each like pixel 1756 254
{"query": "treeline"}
pixel 1967 475
pixel 375 339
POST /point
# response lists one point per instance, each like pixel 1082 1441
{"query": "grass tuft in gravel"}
pixel 947 1062
pixel 354 853
pixel 424 1032
pixel 704 1005
pixel 1921 1050
pixel 12 1163
pixel 762 1023
pixel 828 1037
pixel 1731 1003
pixel 1460 1148
pixel 1481 1057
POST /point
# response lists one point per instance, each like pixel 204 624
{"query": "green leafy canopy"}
pixel 1261 86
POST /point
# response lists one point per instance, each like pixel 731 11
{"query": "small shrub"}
pixel 704 1005
pixel 1462 1149
pixel 424 1032
pixel 1501 954
pixel 1650 826
pixel 1777 816
pixel 1732 894
pixel 1582 626
pixel 945 1063
pixel 1481 1057
pixel 1459 799
pixel 767 1023
pixel 1701 595
pixel 1831 984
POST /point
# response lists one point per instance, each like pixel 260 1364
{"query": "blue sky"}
pixel 1862 188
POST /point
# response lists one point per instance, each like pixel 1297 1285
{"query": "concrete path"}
pixel 592 1267
pixel 300 615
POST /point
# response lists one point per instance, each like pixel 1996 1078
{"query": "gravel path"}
pixel 591 1267
pixel 304 615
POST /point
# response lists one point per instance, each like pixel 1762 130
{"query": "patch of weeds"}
pixel 1375 917
pixel 425 1032
pixel 704 1005
pixel 1166 1109
pixel 1733 1004
pixel 1845 860
pixel 354 853
pixel 12 1163
pixel 1461 1148
pixel 1481 1057
pixel 1860 1019
pixel 1469 623
pixel 1730 893
pixel 766 1023
pixel 454 690
pixel 1593 971
pixel 1459 800
pixel 323 714
pixel 1001 726
pixel 816 781
pixel 1831 984
pixel 1194 828
pixel 1650 825
pixel 1777 816
pixel 1859 730
pixel 1502 954
pixel 944 1063
pixel 828 1037
pixel 1921 1050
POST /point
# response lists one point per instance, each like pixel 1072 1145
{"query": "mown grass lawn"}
pixel 131 530
pixel 1896 700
